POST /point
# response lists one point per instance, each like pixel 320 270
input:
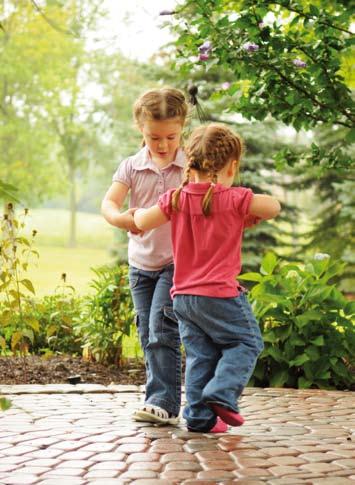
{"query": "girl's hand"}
pixel 129 223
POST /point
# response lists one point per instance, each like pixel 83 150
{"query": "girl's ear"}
pixel 232 167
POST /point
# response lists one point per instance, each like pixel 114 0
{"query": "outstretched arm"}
pixel 146 219
pixel 264 206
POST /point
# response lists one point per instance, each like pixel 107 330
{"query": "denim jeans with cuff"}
pixel 222 341
pixel 159 336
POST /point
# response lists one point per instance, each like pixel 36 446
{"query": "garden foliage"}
pixel 307 325
pixel 289 59
pixel 107 315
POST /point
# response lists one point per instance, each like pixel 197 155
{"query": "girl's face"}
pixel 162 139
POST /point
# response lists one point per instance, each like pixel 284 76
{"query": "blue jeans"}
pixel 222 341
pixel 159 336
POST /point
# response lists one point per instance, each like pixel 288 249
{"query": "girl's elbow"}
pixel 275 209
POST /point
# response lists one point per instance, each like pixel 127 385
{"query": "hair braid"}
pixel 176 194
pixel 209 150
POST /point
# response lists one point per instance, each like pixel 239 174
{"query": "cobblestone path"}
pixel 78 435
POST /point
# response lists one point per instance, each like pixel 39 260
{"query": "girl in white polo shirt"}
pixel 160 115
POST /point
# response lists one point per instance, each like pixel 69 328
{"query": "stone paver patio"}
pixel 76 435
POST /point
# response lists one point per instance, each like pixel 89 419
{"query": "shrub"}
pixel 307 325
pixel 56 315
pixel 17 330
pixel 107 315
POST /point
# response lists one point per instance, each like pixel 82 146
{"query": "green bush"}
pixel 307 325
pixel 51 319
pixel 56 315
pixel 17 329
pixel 107 315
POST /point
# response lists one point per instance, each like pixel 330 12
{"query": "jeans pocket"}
pixel 133 278
pixel 136 320
pixel 169 313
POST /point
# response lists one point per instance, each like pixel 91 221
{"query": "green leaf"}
pixel 250 277
pixel 313 353
pixel 319 341
pixel 299 360
pixel 275 353
pixel 304 383
pixel 5 404
pixel 279 379
pixel 15 339
pixel 307 317
pixel 268 264
pixel 350 136
pixel 28 284
pixel 28 332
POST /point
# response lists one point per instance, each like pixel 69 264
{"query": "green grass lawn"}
pixel 95 239
pixel 45 274
pixel 53 228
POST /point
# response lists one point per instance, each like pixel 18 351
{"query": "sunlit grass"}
pixel 53 228
pixel 45 274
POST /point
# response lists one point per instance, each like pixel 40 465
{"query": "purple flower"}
pixel 205 47
pixel 203 57
pixel 167 12
pixel 250 47
pixel 226 85
pixel 299 63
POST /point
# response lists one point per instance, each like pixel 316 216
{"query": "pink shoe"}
pixel 219 427
pixel 230 417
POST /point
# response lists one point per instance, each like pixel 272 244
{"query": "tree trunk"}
pixel 72 205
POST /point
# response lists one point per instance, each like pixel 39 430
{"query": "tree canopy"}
pixel 289 59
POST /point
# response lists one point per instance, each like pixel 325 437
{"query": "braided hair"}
pixel 209 149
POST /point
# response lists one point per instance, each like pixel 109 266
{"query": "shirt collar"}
pixel 144 161
pixel 201 188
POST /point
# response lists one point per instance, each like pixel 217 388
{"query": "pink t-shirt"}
pixel 153 250
pixel 207 250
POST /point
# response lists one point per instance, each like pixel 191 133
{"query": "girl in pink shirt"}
pixel 221 337
pixel 160 115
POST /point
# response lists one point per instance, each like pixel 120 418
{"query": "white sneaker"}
pixel 155 414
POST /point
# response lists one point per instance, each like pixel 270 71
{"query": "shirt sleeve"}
pixel 250 221
pixel 124 173
pixel 164 203
pixel 241 199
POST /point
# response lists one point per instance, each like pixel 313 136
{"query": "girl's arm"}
pixel 146 219
pixel 111 208
pixel 264 206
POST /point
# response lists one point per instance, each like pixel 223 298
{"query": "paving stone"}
pixel 154 466
pixel 133 447
pixel 332 481
pixel 290 437
pixel 65 472
pixel 20 479
pixel 63 481
pixel 228 465
pixel 143 457
pixel 176 476
pixel 152 481
pixel 135 474
pixel 215 475
pixel 183 456
pixel 183 465
pixel 286 460
pixel 102 474
pixel 166 448
pixel 321 467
